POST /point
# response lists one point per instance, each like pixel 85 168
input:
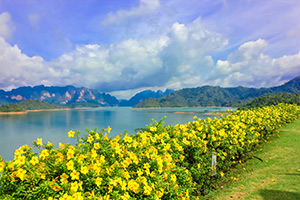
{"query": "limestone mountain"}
pixel 68 95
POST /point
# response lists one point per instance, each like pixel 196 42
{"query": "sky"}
pixel 122 47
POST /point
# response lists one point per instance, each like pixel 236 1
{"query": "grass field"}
pixel 276 177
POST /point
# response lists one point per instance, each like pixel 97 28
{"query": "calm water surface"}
pixel 53 126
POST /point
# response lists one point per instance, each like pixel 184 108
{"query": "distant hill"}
pixel 216 96
pixel 141 96
pixel 28 105
pixel 68 95
pixel 272 99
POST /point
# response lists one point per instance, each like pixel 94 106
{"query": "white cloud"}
pixel 6 25
pixel 249 66
pixel 17 69
pixel 161 61
pixel 180 56
pixel 145 8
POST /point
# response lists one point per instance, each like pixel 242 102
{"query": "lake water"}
pixel 53 126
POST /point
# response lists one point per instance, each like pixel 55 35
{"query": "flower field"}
pixel 162 162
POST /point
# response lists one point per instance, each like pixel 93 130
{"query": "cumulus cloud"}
pixel 174 59
pixel 250 66
pixel 17 69
pixel 6 25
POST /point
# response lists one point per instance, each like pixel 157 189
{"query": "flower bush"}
pixel 162 162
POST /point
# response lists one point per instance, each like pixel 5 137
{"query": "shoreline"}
pixel 39 110
pixel 185 107
pixel 179 112
pixel 218 113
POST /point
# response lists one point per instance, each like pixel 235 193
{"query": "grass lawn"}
pixel 276 178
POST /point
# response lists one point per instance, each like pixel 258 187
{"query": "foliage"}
pixel 28 105
pixel 162 162
pixel 11 108
pixel 273 99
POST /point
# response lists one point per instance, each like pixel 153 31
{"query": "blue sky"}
pixel 125 46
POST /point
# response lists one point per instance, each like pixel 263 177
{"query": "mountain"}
pixel 141 96
pixel 68 95
pixel 216 96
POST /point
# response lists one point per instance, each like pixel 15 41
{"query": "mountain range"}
pixel 187 97
pixel 68 95
pixel 217 96
pixel 73 97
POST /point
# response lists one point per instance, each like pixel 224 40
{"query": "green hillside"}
pixel 273 99
pixel 216 96
pixel 28 105
pixel 37 105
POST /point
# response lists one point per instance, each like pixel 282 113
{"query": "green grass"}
pixel 277 177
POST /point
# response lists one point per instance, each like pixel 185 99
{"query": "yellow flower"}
pixel 126 174
pixel 71 133
pixel 98 181
pixel 44 154
pixel 84 170
pixel 134 186
pixel 21 160
pixel 39 141
pixel 153 129
pixel 70 154
pixel 70 165
pixel 74 186
pixel 2 166
pixel 173 177
pixel 75 175
pixel 97 136
pixel 128 139
pixel 18 152
pixel 93 154
pixel 126 196
pixel 65 197
pixel 34 160
pixel 61 145
pixel 90 139
pixel 64 178
pixel 77 196
pixel 123 185
pixel 182 157
pixel 147 190
pixel 108 129
pixel 222 174
pixel 113 182
pixel 21 173
pixel 96 146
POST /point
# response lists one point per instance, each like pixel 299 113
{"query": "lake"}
pixel 53 126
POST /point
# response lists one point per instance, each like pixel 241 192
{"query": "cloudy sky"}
pixel 125 46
